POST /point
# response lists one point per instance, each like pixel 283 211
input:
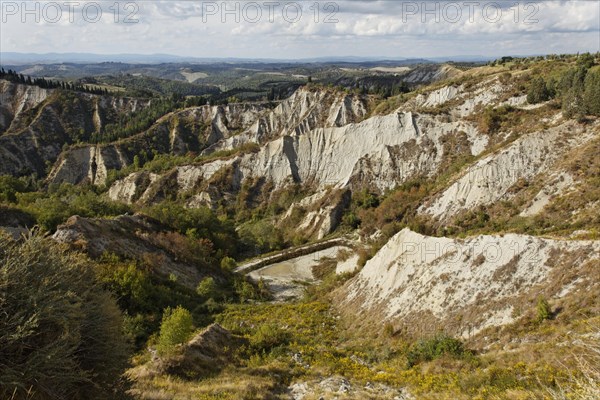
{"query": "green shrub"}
pixel 261 236
pixel 245 290
pixel 544 311
pixel 131 285
pixel 228 264
pixel 207 288
pixel 490 120
pixel 197 223
pixel 9 187
pixel 140 292
pixel 263 289
pixel 366 199
pixel 268 336
pixel 176 328
pixel 61 202
pixel 571 87
pixel 436 347
pixel 351 220
pixel 60 331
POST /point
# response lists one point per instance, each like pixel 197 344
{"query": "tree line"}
pixel 15 77
pixel 578 88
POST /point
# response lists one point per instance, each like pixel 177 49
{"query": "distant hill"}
pixel 52 58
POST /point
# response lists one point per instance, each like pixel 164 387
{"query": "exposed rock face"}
pixel 322 213
pixel 131 188
pixel 490 179
pixel 88 164
pixel 178 133
pixel 225 121
pixel 304 111
pixel 323 139
pixel 431 73
pixel 144 187
pixel 557 185
pixel 320 139
pixel 133 237
pixel 27 151
pixel 208 198
pixel 381 152
pixel 438 97
pixel 16 99
pixel 421 283
pixel 36 123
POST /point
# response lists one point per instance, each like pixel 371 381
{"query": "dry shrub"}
pixel 586 384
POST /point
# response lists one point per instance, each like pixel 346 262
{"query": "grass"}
pixel 307 340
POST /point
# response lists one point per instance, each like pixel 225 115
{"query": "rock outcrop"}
pixel 322 213
pixel 36 124
pixel 17 99
pixel 302 112
pixel 179 133
pixel 421 283
pixel 489 180
pixel 380 152
pixel 339 387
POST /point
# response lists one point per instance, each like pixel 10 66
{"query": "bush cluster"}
pixel 60 330
pixel 436 347
pixel 176 328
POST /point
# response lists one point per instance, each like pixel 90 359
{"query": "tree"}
pixel 176 328
pixel 571 88
pixel 207 288
pixel 591 94
pixel 131 285
pixel 228 264
pixel 366 199
pixel 60 331
pixel 244 290
pixel 543 309
pixel 538 91
pixel 586 60
pixel 9 187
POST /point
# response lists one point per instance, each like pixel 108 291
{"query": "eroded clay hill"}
pixel 492 162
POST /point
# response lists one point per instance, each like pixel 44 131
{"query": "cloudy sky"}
pixel 302 29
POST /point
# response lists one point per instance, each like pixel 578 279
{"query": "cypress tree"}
pixel 591 95
pixel 572 88
pixel 538 91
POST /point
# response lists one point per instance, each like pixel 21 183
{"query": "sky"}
pixel 302 29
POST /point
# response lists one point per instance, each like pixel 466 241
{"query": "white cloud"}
pixel 364 28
